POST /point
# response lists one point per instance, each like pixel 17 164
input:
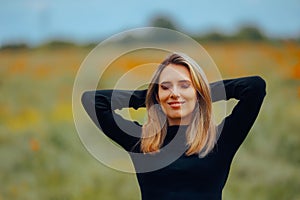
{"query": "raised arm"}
pixel 250 92
pixel 100 106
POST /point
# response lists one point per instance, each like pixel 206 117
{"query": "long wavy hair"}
pixel 201 132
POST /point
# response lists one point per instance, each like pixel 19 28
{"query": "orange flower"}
pixel 34 145
pixel 296 71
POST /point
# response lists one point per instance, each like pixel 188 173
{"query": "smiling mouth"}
pixel 176 103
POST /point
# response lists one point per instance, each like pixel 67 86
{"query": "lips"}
pixel 176 104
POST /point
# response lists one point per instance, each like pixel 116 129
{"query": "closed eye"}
pixel 165 87
pixel 185 85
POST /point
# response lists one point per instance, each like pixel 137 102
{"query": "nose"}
pixel 174 93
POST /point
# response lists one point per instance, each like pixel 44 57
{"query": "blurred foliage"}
pixel 16 46
pixel 57 44
pixel 42 156
pixel 249 33
pixel 163 22
pixel 245 33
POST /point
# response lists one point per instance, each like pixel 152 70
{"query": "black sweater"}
pixel 188 177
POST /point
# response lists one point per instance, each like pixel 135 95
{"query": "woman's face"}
pixel 176 94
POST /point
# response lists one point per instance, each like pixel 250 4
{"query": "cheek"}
pixel 162 95
pixel 192 98
pixel 190 95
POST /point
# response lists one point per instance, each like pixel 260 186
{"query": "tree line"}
pixel 245 33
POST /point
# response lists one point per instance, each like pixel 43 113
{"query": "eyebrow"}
pixel 181 81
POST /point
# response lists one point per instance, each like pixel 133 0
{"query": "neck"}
pixel 179 122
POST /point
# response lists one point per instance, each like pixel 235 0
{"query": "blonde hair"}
pixel 201 133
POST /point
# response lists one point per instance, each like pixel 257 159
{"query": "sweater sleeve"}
pixel 250 92
pixel 101 105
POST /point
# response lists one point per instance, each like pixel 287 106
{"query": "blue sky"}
pixel 36 21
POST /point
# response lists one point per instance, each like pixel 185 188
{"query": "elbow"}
pixel 258 86
pixel 86 99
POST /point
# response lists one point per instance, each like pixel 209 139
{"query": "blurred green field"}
pixel 42 156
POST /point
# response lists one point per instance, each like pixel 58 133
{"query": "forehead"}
pixel 174 73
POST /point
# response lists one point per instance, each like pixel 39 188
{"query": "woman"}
pixel 179 103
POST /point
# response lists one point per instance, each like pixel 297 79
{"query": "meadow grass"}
pixel 42 156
